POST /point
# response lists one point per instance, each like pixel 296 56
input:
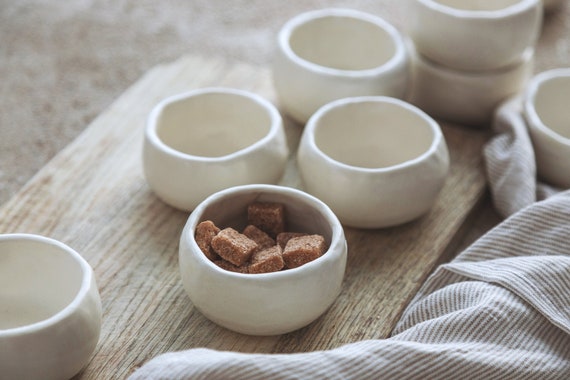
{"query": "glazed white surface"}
pixel 50 309
pixel 268 303
pixel 474 35
pixel 329 54
pixel 376 161
pixel 466 98
pixel 547 111
pixel 209 139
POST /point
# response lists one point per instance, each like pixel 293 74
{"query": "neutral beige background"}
pixel 63 62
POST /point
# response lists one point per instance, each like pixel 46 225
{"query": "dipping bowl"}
pixel 267 303
pixel 547 111
pixel 329 54
pixel 50 309
pixel 474 34
pixel 465 97
pixel 376 161
pixel 209 139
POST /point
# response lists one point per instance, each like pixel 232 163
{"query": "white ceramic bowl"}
pixel 209 139
pixel 474 34
pixel 329 54
pixel 464 97
pixel 547 111
pixel 376 161
pixel 269 303
pixel 50 310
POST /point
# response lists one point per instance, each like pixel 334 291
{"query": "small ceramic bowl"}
pixel 50 309
pixel 268 303
pixel 329 54
pixel 209 139
pixel 465 97
pixel 474 34
pixel 376 161
pixel 547 111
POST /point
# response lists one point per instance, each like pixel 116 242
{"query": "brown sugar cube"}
pixel 266 260
pixel 230 267
pixel 267 216
pixel 261 238
pixel 284 237
pixel 300 250
pixel 204 233
pixel 233 246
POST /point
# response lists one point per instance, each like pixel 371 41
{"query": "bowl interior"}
pixel 478 5
pixel 551 104
pixel 302 214
pixel 212 124
pixel 343 43
pixel 37 280
pixel 373 134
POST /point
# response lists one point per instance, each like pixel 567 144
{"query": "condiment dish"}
pixel 474 35
pixel 376 161
pixel 547 111
pixel 328 54
pixel 266 303
pixel 50 309
pixel 208 139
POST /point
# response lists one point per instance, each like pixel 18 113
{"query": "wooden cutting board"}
pixel 93 197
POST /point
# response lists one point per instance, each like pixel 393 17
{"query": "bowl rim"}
pixel 151 136
pixel 509 11
pixel 398 59
pixel 338 239
pixel 533 119
pixel 87 277
pixel 437 140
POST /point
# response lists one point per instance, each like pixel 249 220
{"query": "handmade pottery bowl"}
pixel 547 112
pixel 268 303
pixel 50 309
pixel 209 139
pixel 474 34
pixel 329 54
pixel 376 161
pixel 465 97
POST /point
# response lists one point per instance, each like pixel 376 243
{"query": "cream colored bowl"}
pixel 268 303
pixel 547 111
pixel 209 139
pixel 50 310
pixel 465 97
pixel 376 161
pixel 329 54
pixel 474 34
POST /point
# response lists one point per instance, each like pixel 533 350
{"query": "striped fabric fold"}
pixel 510 161
pixel 539 280
pixel 500 310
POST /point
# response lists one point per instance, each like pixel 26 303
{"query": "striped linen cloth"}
pixel 500 310
pixel 510 161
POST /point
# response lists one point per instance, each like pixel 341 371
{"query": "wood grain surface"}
pixel 93 197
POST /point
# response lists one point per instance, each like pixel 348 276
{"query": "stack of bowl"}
pixel 469 55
